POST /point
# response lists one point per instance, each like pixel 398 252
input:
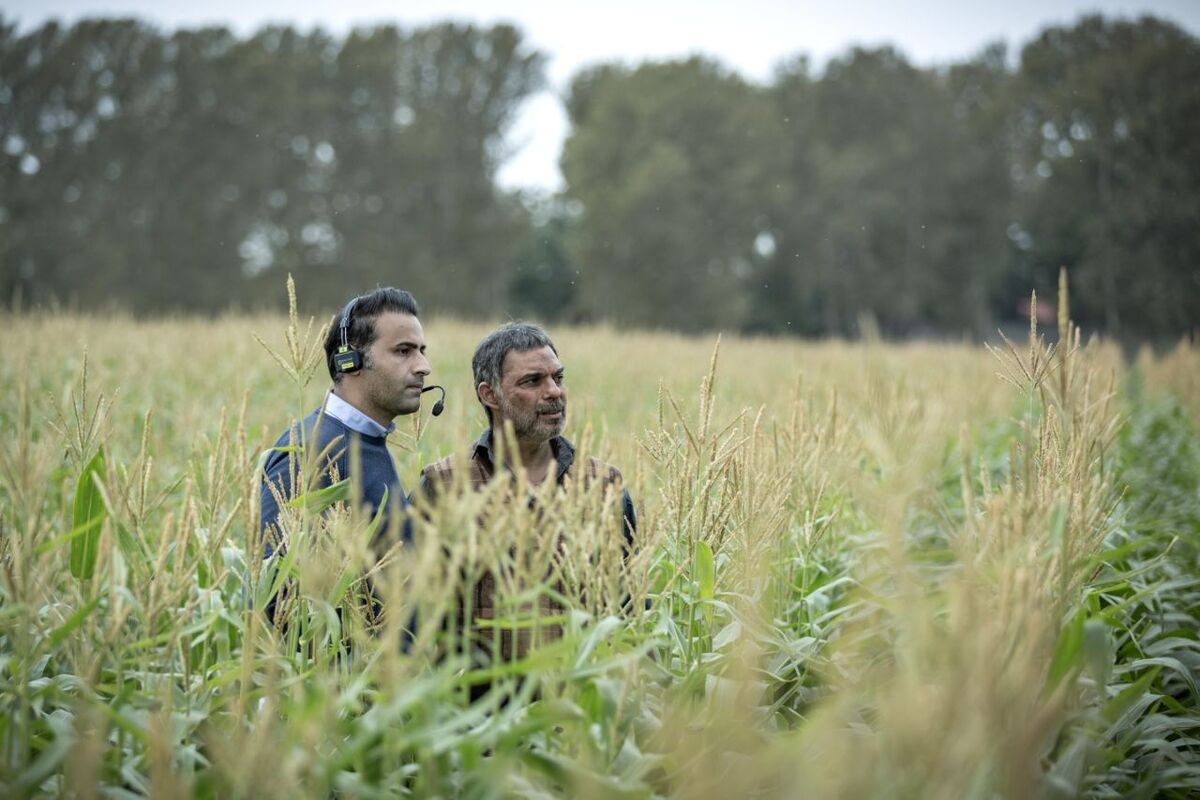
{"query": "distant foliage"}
pixel 928 199
pixel 192 169
pixel 189 170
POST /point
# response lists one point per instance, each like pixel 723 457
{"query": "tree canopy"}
pixel 191 169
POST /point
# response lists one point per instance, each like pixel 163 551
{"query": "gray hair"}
pixel 488 361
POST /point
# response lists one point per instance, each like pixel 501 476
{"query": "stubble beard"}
pixel 530 426
pixel 393 400
pixel 405 405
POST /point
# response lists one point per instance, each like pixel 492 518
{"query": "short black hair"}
pixel 363 311
pixel 488 361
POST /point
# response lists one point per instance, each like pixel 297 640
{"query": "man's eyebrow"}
pixel 406 343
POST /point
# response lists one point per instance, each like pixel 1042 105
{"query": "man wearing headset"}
pixel 375 352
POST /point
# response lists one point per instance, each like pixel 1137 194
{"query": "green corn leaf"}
pixel 1066 656
pixel 597 634
pixel 706 579
pixel 1176 666
pixel 131 546
pixel 49 760
pixel 380 513
pixel 1115 708
pixel 1097 650
pixel 706 572
pixel 89 511
pixel 320 499
pixel 72 622
pixel 265 455
pixel 282 570
pixel 345 580
pixel 69 536
pixel 729 634
pixel 1058 523
pixel 349 576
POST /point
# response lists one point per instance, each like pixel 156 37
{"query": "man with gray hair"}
pixel 519 380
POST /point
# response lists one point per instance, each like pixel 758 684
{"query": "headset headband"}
pixel 344 326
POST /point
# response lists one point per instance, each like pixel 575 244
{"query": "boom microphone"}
pixel 440 405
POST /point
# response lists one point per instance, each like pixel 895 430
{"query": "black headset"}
pixel 346 359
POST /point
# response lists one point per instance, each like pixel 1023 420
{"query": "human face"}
pixel 394 369
pixel 532 395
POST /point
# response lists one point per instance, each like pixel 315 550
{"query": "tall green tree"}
pixel 966 238
pixel 897 194
pixel 675 166
pixel 417 152
pixel 878 141
pixel 190 170
pixel 545 283
pixel 1110 169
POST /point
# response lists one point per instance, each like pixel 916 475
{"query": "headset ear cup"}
pixel 347 360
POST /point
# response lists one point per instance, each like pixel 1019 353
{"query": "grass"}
pixel 862 569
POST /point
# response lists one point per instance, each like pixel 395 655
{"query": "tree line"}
pixel 191 169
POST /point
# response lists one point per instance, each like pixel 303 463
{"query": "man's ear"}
pixel 488 395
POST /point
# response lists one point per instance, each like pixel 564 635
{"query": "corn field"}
pixel 861 570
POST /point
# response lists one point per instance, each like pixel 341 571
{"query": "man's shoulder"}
pixel 442 472
pixel 320 433
pixel 596 469
pixel 324 427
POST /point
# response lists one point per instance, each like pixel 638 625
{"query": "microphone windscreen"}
pixel 440 405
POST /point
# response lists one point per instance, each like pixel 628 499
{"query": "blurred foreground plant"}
pixel 835 601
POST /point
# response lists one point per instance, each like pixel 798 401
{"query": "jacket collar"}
pixel 564 453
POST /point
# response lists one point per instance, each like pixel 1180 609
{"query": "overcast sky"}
pixel 750 36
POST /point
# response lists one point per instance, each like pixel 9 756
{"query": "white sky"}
pixel 750 36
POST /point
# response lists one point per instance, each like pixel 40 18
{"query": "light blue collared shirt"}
pixel 354 419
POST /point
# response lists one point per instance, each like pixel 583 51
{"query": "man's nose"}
pixel 422 367
pixel 554 390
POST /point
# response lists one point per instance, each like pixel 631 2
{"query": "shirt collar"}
pixel 354 419
pixel 564 452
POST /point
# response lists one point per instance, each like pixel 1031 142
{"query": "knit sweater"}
pixel 374 469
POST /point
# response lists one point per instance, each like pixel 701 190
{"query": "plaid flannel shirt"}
pixel 481 468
